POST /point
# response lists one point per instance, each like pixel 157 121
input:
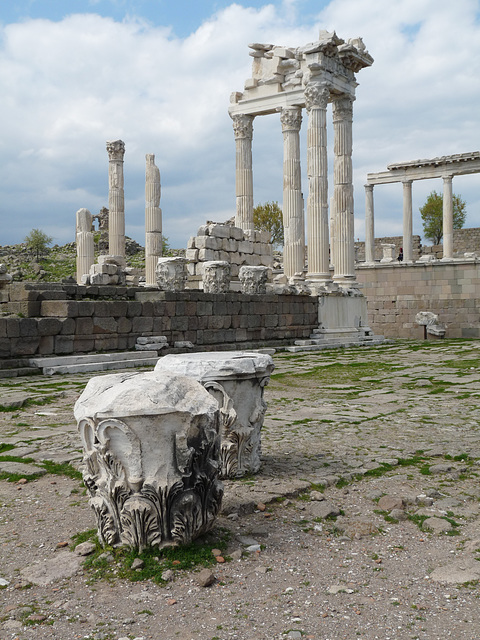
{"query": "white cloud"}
pixel 69 86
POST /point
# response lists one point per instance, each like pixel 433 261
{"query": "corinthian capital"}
pixel 316 95
pixel 116 149
pixel 243 126
pixel 343 108
pixel 291 119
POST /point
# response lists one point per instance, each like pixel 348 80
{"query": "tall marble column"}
pixel 85 243
pixel 153 219
pixel 407 222
pixel 344 266
pixel 293 217
pixel 316 99
pixel 243 129
pixel 116 200
pixel 369 225
pixel 447 218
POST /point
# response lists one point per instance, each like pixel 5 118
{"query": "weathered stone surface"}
pixel 236 379
pixel 62 565
pixel 253 279
pixel 151 445
pixel 171 274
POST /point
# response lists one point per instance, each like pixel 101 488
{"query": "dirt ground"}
pixel 363 522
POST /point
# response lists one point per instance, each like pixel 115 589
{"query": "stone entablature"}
pixel 231 244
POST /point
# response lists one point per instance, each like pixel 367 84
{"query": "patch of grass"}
pixel 418 520
pixel 6 447
pixel 62 469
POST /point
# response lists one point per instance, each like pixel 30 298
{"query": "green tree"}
pixel 269 217
pixel 37 242
pixel 432 216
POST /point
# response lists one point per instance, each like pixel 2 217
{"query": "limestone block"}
pixel 254 260
pixel 207 254
pixel 203 230
pixel 236 258
pixel 236 380
pixel 191 268
pixel 234 269
pixel 208 242
pixel 236 233
pixel 245 246
pixel 151 452
pixel 219 230
pixel 266 260
pixel 229 244
pixel 99 278
pixel 191 243
pixel 191 254
pixel 216 277
pixel 171 274
pixel 253 279
pixel 224 256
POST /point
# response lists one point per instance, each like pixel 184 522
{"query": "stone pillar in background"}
pixel 116 199
pixel 85 243
pixel 407 222
pixel 369 225
pixel 293 218
pixel 344 265
pixel 316 98
pixel 447 218
pixel 153 220
pixel 243 129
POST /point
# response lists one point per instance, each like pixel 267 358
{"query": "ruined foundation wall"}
pixel 397 292
pixel 62 319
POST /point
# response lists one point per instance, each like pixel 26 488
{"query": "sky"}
pixel 158 74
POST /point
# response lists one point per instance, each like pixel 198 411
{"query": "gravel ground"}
pixel 366 512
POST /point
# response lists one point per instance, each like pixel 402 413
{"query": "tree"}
pixel 37 242
pixel 269 217
pixel 432 216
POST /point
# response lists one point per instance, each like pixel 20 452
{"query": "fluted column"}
pixel 407 222
pixel 369 225
pixel 316 99
pixel 116 200
pixel 243 129
pixel 293 217
pixel 447 218
pixel 85 243
pixel 344 265
pixel 153 219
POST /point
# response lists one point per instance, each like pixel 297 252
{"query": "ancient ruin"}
pixel 236 379
pixel 116 198
pixel 286 80
pixel 153 220
pixel 85 243
pixel 151 454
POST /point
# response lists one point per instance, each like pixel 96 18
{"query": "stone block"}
pixel 245 246
pixel 191 243
pixel 3 328
pixel 219 230
pixel 124 325
pixel 104 325
pixel 84 326
pixel 46 345
pixel 68 326
pixel 25 346
pixel 179 323
pixel 26 308
pixel 134 308
pixel 106 343
pixel 236 233
pixel 208 254
pixel 142 325
pixel 28 327
pixel 59 308
pixel 229 244
pixel 21 291
pixel 13 327
pixel 208 242
pixel 191 254
pixel 85 307
pixel 83 344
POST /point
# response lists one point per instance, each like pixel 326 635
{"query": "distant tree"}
pixel 269 217
pixel 432 216
pixel 37 242
pixel 166 248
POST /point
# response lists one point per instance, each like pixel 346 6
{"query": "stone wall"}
pixel 397 292
pixel 65 319
pixel 396 240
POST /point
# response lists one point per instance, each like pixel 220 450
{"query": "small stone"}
pixel 216 552
pixel 253 548
pixel 3 582
pixel 37 617
pixel 236 555
pixel 317 496
pixel 205 578
pixel 437 525
pixel 138 563
pixel 440 468
pixel 171 601
pixel 398 514
pixel 261 506
pixel 387 503
pixel 60 545
pixel 168 575
pixel 220 559
pixel 22 481
pixel 233 516
pixel 176 563
pixel 85 549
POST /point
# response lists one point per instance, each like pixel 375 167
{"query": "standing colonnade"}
pixel 287 80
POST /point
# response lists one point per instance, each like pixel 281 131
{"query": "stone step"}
pixel 53 361
pixel 13 367
pixel 320 345
pixel 100 366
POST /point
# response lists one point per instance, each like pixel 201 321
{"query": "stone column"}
pixel 407 222
pixel 344 265
pixel 369 225
pixel 116 200
pixel 243 129
pixel 153 220
pixel 85 243
pixel 316 98
pixel 293 218
pixel 447 218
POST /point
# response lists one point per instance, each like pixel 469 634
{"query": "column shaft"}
pixel 369 225
pixel 116 199
pixel 153 219
pixel 85 243
pixel 447 218
pixel 344 266
pixel 316 98
pixel 407 222
pixel 293 217
pixel 243 129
